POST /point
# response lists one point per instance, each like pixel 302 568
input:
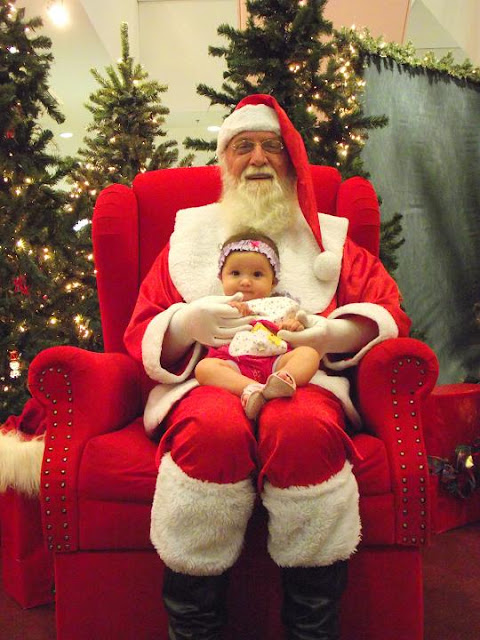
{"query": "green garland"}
pixel 406 55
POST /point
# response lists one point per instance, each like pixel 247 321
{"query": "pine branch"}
pixel 390 241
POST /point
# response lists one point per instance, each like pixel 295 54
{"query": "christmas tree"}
pixel 128 119
pixel 289 50
pixel 38 250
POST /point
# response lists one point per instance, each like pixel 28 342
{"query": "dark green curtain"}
pixel 426 165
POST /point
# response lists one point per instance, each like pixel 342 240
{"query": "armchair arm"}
pixel 84 394
pixel 393 381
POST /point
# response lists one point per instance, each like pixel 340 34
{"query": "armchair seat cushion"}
pixel 115 499
pixel 130 474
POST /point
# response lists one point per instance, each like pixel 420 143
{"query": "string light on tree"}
pixel 39 249
pixel 112 136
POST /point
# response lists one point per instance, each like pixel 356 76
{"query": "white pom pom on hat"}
pixel 327 266
pixel 261 112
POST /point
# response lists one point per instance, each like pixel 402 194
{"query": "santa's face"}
pixel 259 188
pixel 237 162
pixel 248 272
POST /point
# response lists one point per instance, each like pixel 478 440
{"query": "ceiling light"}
pixel 213 127
pixel 66 134
pixel 58 13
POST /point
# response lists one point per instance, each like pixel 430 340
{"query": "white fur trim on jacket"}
pixel 387 328
pixel 315 525
pixel 152 344
pixel 20 462
pixel 198 527
pixel 161 399
pixel 340 387
pixel 194 272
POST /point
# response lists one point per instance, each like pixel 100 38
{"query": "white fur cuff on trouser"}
pixel 315 525
pixel 198 527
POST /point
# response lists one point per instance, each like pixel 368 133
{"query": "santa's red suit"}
pixel 212 459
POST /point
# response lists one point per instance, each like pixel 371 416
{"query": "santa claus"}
pixel 212 461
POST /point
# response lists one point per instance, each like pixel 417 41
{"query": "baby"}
pixel 257 365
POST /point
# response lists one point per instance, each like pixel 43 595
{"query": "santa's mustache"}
pixel 251 173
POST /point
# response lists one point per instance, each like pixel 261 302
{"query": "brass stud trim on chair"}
pixel 57 539
pixel 406 408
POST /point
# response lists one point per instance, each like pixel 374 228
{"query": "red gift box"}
pixel 27 566
pixel 451 417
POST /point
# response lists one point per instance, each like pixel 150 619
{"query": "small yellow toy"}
pixel 271 337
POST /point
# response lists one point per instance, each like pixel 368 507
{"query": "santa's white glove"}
pixel 314 335
pixel 209 320
pixel 339 335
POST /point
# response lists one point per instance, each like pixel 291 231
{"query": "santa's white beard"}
pixel 269 206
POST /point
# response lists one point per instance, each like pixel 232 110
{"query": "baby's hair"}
pixel 251 240
pixel 251 234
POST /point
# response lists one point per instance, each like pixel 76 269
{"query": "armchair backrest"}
pixel 132 224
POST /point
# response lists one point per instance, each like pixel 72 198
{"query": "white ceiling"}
pixel 170 38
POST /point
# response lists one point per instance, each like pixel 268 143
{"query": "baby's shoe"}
pixel 252 400
pixel 279 385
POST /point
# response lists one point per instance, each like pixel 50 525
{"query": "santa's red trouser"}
pixel 212 460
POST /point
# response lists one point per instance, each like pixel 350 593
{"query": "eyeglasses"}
pixel 271 145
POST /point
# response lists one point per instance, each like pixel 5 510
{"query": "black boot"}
pixel 196 605
pixel 311 601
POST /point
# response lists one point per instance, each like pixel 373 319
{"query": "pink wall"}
pixel 385 18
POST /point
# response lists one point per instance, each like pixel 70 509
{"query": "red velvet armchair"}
pixel 98 472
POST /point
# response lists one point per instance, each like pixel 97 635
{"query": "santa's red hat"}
pixel 260 112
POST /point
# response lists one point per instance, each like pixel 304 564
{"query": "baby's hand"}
pixel 242 307
pixel 290 324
